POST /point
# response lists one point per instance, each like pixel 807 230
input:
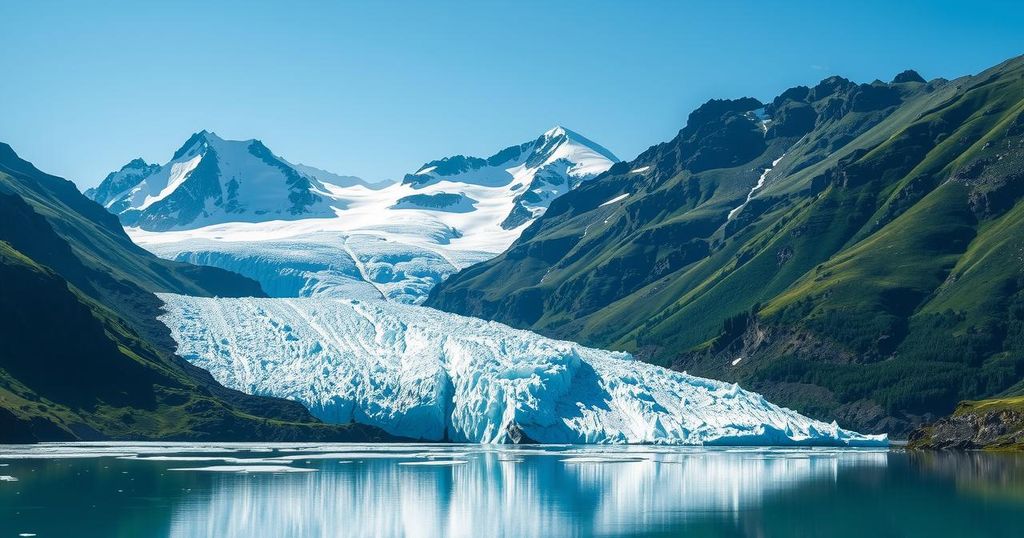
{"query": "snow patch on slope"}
pixel 618 198
pixel 426 374
pixel 755 188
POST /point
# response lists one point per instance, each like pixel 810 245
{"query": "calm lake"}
pixel 299 490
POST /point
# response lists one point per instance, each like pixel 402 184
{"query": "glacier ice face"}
pixel 430 375
pixel 355 266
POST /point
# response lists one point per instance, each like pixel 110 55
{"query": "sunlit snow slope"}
pixel 426 374
pixel 394 242
pixel 211 180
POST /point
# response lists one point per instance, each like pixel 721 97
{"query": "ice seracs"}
pixel 357 239
pixel 425 374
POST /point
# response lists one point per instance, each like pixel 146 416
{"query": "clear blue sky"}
pixel 376 88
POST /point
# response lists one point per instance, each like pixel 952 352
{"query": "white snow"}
pixel 756 187
pixel 237 184
pixel 177 174
pixel 372 246
pixel 425 374
pixel 640 170
pixel 7 478
pixel 618 198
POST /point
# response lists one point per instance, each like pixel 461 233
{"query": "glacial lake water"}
pixel 300 490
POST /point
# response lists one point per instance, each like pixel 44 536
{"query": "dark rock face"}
pixel 908 76
pixel 972 427
pixel 880 253
pixel 516 436
pixel 117 182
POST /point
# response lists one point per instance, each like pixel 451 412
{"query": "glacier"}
pixel 394 241
pixel 429 375
pixel 332 264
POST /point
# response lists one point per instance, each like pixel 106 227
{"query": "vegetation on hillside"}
pixel 875 278
pixel 83 355
pixel 995 424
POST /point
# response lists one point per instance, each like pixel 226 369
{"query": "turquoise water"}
pixel 474 491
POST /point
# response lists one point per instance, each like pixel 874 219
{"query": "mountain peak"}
pixel 908 76
pixel 211 180
pixel 559 131
pixel 137 162
pixel 209 136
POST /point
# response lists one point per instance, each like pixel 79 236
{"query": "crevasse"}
pixel 425 374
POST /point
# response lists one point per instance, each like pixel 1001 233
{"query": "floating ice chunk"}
pixel 246 469
pixel 224 459
pixel 433 462
pixel 60 455
pixel 7 478
pixel 354 456
pixel 604 459
pixel 425 374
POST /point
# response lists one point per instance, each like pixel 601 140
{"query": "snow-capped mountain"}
pixel 110 192
pixel 535 172
pixel 421 373
pixel 394 241
pixel 211 180
pixel 335 179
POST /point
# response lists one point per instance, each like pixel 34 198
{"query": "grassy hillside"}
pixel 83 355
pixel 995 424
pixel 873 279
pixel 72 370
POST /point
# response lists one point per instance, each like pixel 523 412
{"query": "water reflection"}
pixel 998 476
pixel 505 493
pixel 479 491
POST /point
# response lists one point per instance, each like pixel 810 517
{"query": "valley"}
pixel 755 247
pixel 512 269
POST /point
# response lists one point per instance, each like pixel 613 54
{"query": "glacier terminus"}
pixel 430 375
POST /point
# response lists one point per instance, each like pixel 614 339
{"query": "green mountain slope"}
pixel 100 259
pixel 873 278
pixel 83 356
pixel 996 424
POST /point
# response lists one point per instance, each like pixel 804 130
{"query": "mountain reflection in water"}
pixel 476 491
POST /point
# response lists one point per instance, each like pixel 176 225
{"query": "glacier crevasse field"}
pixel 425 374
